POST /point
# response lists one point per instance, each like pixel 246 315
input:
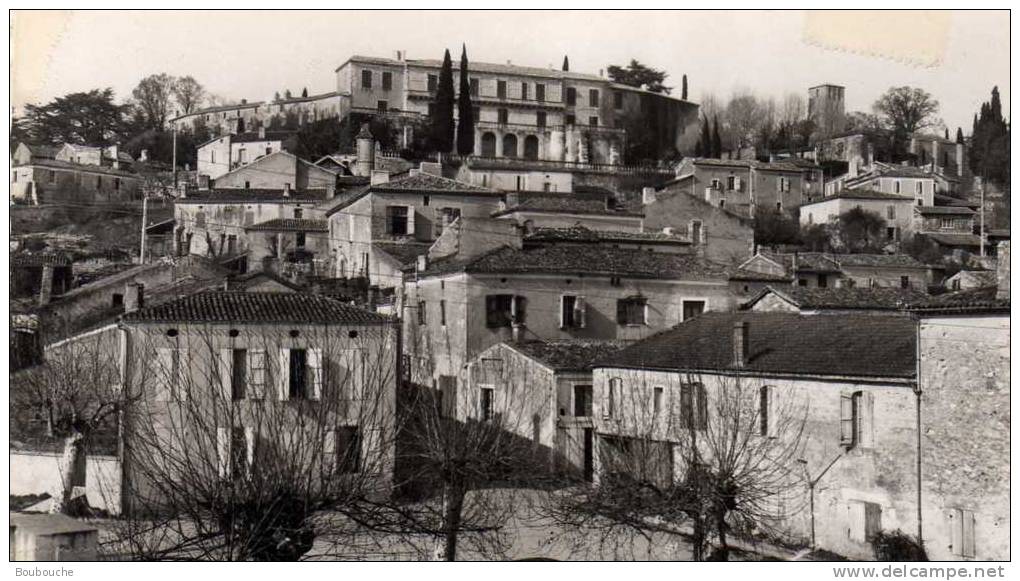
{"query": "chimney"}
pixel 134 296
pixel 740 346
pixel 46 285
pixel 286 190
pixel 365 152
pixel 647 195
pixel 1002 271
pixel 379 177
pixel 262 132
pixel 400 55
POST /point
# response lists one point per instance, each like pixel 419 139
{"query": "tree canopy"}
pixel 636 74
pixel 83 118
pixel 443 129
pixel 989 147
pixel 465 110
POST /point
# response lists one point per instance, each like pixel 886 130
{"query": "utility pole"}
pixel 174 162
pixel 982 216
pixel 145 216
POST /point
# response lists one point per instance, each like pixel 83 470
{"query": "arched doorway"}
pixel 509 145
pixel 531 147
pixel 488 145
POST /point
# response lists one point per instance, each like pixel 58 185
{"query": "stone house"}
pixel 896 211
pixel 231 382
pixel 741 185
pixel 226 153
pixel 496 290
pixel 542 391
pixel 859 452
pixel 821 270
pixel 277 170
pixel 964 371
pixel 970 279
pixel 595 210
pixel 516 175
pixel 43 181
pixel 900 180
pixel 720 233
pixel 831 301
pixel 52 537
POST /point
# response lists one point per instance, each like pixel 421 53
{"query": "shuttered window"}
pixel 504 310
pixel 631 311
pixel 961 532
pixel 572 312
pixel 693 406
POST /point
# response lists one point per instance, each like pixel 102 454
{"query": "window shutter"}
pixel 519 309
pixel 872 520
pixel 227 373
pixel 846 419
pixel 967 525
pixel 954 516
pixel 736 184
pixel 249 441
pixel 315 363
pixel 181 379
pixel 256 373
pixel 163 374
pixel 410 220
pixel 580 311
pixel 389 220
pixel 563 312
pixel 283 377
pixel 621 311
pixel 223 451
pixel 491 319
pixel 867 413
pixel 857 521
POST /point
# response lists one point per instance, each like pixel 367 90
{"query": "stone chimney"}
pixel 46 285
pixel 400 55
pixel 379 177
pixel 647 195
pixel 1002 271
pixel 365 163
pixel 286 190
pixel 134 296
pixel 740 344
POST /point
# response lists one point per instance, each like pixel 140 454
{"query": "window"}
pixel 691 309
pixel 631 310
pixel 442 312
pixel 864 520
pixel 299 239
pixel 593 97
pixel 387 81
pixel 731 183
pixel 297 387
pixel 896 187
pixel 696 232
pixel 476 112
pixel 890 212
pixel 474 89
pixel 99 180
pixel 504 310
pixel 239 454
pixel 425 200
pixel 501 89
pixel 891 233
pixel 593 121
pixel 524 91
pixel 656 400
pixel 715 184
pixel 238 374
pixel 485 403
pixel 503 116
pixel 904 282
pixel 53 178
pixel 617 100
pixel 256 373
pixel 298 213
pixel 242 154
pixel 247 185
pixel 693 406
pixel 539 92
pixel 615 391
pixel 570 120
pixel 269 150
pixel 766 423
pixel 347 445
pixel 382 105
pixel 422 315
pixel 540 118
pixel 572 312
pixel 855 419
pixel 519 182
pixel 116 184
pixel 945 223
pixel 582 401
pixel 961 532
pixel 399 220
pixel 118 300
pixel 366 79
pixel 919 188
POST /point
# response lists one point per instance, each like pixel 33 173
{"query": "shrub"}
pixel 898 546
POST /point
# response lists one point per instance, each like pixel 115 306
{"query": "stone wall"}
pixel 40 472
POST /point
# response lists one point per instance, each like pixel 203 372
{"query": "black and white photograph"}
pixel 510 285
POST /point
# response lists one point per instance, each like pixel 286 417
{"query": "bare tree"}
pixel 253 444
pixel 690 462
pixel 153 97
pixel 188 93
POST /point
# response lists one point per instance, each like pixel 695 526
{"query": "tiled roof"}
pixel 218 108
pixel 844 298
pixel 952 239
pixel 562 203
pixel 59 164
pixel 584 234
pixel 972 300
pixel 781 165
pixel 942 200
pixel 903 171
pixel 806 261
pixel 997 232
pixel 247 307
pixel 405 253
pixel 587 259
pixel 343 199
pixel 825 262
pixel 568 355
pixel 782 343
pixel 245 280
pixel 880 260
pixel 743 274
pixel 944 211
pixel 47 151
pixel 425 182
pixel 479 67
pixel 226 195
pixel 250 136
pixel 40 259
pixel 982 277
pixel 290 225
pixel 861 194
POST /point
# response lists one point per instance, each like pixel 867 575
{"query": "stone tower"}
pixel 365 152
pixel 827 109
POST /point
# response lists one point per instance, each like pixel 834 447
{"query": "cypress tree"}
pixel 304 92
pixel 716 140
pixel 947 134
pixel 443 127
pixel 465 112
pixel 705 139
pixel 683 89
pixel 959 134
pixel 566 63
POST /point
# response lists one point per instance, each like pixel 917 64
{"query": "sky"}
pixel 254 54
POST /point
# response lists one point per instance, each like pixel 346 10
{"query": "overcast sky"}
pixel 253 54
